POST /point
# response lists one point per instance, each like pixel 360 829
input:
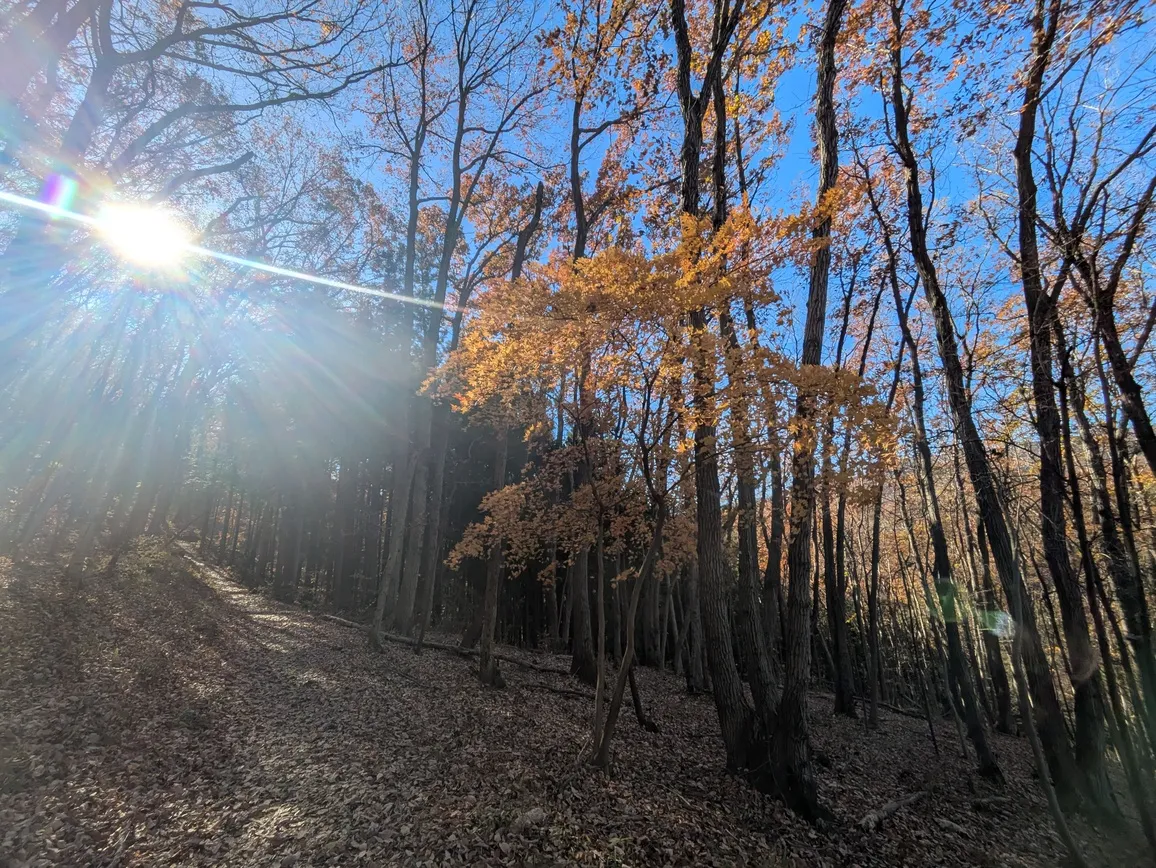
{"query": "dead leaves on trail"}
pixel 171 717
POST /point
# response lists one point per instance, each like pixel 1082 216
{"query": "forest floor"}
pixel 165 715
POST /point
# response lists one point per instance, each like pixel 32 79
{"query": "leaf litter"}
pixel 165 715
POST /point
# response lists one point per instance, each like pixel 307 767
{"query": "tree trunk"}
pixel 601 757
pixel 432 554
pixel 582 661
pixel 792 746
pixel 773 609
pixel 748 618
pixel 1121 561
pixel 942 572
pixel 600 680
pixel 837 616
pixel 875 668
pixel 487 663
pixel 1048 711
pixel 692 634
pixel 417 528
pixel 991 639
pixel 1090 735
pixel 1121 737
pixel 651 631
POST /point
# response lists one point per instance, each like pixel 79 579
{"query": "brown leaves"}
pixel 314 751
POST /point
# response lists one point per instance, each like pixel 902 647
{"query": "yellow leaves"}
pixel 624 576
pixel 619 323
pixel 548 575
pixel 1143 478
pixel 840 401
pixel 505 525
pixel 533 519
pixel 617 314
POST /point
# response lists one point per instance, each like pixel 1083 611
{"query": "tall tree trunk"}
pixel 1131 394
pixel 736 718
pixel 228 513
pixel 554 624
pixel 404 452
pixel 1038 748
pixel 692 638
pixel 1121 562
pixel 289 546
pixel 989 613
pixel 747 617
pixel 487 663
pixel 834 572
pixel 942 572
pixel 836 543
pixel 1049 715
pixel 792 744
pixel 773 609
pixel 398 520
pixel 875 667
pixel 417 527
pixel 835 591
pixel 431 553
pixel 582 661
pixel 1090 735
pixel 1117 720
pixel 375 518
pixel 600 610
pixel 601 757
pixel 342 539
pixel 651 631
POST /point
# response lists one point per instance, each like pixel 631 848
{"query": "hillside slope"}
pixel 166 716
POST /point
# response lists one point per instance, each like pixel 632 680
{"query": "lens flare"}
pixel 59 192
pixel 151 237
pixel 122 227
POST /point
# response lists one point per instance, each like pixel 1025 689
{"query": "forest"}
pixel 749 395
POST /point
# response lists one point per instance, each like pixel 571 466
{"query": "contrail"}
pixel 57 212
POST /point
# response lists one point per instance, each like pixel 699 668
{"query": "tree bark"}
pixel 942 572
pixel 488 670
pixel 1048 712
pixel 1121 737
pixel 1090 735
pixel 748 620
pixel 1121 561
pixel 735 715
pixel 601 757
pixel 792 746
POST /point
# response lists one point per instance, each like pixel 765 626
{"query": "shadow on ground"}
pixel 166 716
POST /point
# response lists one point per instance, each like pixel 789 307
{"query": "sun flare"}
pixel 151 237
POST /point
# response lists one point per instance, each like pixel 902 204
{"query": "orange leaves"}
pixel 618 322
pixel 535 518
pixel 619 312
pixel 519 517
pixel 710 266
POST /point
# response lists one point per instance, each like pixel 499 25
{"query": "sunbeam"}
pixel 151 237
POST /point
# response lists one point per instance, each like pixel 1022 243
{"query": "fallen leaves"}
pixel 172 717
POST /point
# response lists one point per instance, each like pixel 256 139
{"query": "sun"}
pixel 152 237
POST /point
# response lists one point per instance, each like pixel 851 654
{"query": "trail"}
pixel 168 716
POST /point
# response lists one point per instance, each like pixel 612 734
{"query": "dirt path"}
pixel 167 716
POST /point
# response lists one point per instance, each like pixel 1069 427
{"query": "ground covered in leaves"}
pixel 164 715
